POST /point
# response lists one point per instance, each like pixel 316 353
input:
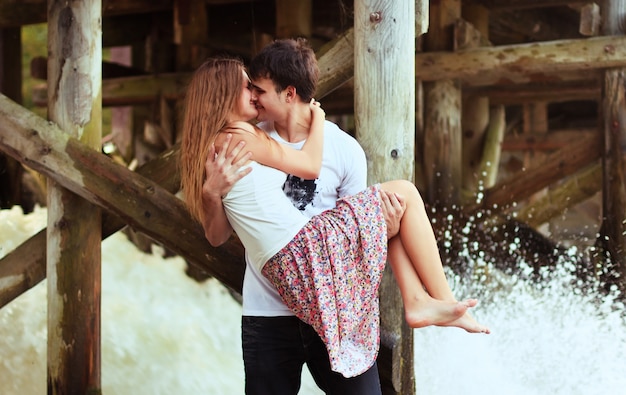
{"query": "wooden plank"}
pixel 138 201
pixel 384 43
pixel 523 62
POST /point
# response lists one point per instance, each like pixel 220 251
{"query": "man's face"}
pixel 270 104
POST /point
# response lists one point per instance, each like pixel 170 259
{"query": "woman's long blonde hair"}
pixel 212 94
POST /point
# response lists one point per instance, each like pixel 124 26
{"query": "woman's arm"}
pixel 305 163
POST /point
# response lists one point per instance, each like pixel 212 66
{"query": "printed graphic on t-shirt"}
pixel 301 192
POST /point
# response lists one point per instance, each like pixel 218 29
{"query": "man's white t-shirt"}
pixel 344 172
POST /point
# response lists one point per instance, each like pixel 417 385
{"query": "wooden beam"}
pixel 538 25
pixel 552 141
pixel 138 201
pixel 15 13
pixel 25 266
pixel 576 189
pixel 508 94
pixel 554 167
pixel 335 60
pixel 522 63
pixel 525 4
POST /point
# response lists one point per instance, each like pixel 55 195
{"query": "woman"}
pixel 327 269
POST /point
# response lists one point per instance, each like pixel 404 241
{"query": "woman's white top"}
pixel 264 218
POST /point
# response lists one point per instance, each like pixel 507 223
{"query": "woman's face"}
pixel 246 107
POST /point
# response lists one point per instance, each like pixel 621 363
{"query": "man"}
pixel 275 343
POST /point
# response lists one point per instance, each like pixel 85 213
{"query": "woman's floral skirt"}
pixel 329 275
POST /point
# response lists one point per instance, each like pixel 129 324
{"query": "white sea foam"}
pixel 164 333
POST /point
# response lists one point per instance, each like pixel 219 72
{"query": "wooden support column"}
pixel 74 225
pixel 613 229
pixel 190 34
pixel 469 34
pixel 442 113
pixel 384 90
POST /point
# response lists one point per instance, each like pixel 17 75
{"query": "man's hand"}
pixel 393 210
pixel 223 170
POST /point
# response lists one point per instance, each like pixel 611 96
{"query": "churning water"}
pixel 164 333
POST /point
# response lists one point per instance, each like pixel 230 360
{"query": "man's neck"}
pixel 296 125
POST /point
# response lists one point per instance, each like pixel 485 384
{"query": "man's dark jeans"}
pixel 274 351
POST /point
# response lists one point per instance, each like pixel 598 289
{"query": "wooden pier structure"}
pixel 488 106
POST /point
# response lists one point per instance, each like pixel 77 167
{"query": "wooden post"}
pixel 74 225
pixel 613 230
pixel 475 115
pixel 442 114
pixel 190 33
pixel 384 75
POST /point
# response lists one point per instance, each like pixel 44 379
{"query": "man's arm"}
pixel 222 170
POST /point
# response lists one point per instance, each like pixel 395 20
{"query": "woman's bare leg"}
pixel 420 247
pixel 420 308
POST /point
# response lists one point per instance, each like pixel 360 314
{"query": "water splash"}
pixel 552 333
pixel 164 333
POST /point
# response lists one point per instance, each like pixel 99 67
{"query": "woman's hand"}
pixel 223 169
pixel 316 109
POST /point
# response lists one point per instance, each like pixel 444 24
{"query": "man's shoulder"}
pixel 333 131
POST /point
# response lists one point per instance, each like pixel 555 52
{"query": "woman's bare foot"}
pixel 429 311
pixel 468 323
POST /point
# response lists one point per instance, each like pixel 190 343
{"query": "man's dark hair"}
pixel 288 62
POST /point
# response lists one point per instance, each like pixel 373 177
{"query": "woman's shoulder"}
pixel 240 126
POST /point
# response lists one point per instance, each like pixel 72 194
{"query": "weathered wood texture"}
pixel 525 4
pixel 442 150
pixel 613 229
pixel 14 13
pixel 25 266
pixel 141 203
pixel 523 63
pixel 73 238
pixel 475 108
pixel 554 167
pixel 578 188
pixel 384 37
